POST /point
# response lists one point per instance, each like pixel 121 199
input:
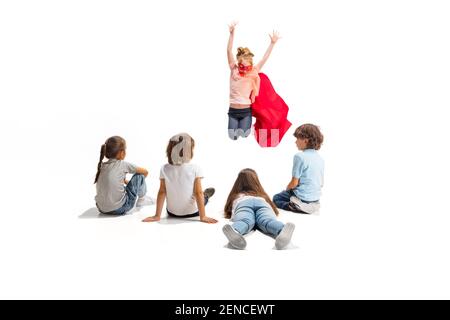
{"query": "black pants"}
pixel 196 214
pixel 239 123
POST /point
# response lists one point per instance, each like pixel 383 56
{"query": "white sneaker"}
pixel 284 238
pixel 235 239
pixel 145 201
pixel 304 207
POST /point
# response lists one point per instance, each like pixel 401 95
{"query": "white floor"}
pixel 374 76
pixel 70 252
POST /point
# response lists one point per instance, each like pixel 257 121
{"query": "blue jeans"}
pixel 283 199
pixel 196 214
pixel 256 213
pixel 239 123
pixel 136 188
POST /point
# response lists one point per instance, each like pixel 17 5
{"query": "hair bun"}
pixel 244 51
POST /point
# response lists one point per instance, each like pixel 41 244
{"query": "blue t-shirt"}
pixel 308 168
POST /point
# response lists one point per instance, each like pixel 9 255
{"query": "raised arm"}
pixel 274 37
pixel 231 61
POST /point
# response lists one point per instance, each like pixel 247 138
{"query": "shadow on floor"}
pixel 290 246
pixel 172 220
pixel 93 213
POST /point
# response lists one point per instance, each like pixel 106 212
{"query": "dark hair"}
pixel 247 182
pixel 312 133
pixel 110 149
pixel 180 149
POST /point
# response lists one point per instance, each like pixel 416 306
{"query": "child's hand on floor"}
pixel 208 220
pixel 152 219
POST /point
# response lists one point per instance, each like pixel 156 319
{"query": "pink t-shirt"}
pixel 243 88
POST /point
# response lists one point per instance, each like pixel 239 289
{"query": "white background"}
pixel 374 75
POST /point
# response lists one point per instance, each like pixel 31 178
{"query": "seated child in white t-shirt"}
pixel 180 183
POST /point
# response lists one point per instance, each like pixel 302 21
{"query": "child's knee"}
pixel 279 201
pixel 140 178
pixel 243 133
pixel 232 134
pixel 246 133
pixel 276 198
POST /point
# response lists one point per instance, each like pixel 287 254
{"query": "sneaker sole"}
pixel 209 192
pixel 236 240
pixel 308 208
pixel 285 236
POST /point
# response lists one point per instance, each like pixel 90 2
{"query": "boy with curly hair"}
pixel 303 192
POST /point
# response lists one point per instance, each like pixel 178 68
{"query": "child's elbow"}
pixel 162 193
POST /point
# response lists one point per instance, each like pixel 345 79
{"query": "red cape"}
pixel 270 112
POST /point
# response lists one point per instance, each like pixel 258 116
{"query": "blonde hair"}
pixel 244 53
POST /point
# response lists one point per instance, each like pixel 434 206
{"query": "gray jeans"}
pixel 239 123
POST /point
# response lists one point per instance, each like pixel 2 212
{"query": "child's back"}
pixel 113 197
pixel 308 168
pixel 181 183
pixel 179 180
pixel 110 185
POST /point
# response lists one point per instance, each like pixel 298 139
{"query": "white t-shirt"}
pixel 179 182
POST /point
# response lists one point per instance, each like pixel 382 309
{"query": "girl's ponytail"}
pixel 110 150
pixel 99 166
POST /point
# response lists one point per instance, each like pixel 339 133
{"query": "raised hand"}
pixel 232 26
pixel 275 36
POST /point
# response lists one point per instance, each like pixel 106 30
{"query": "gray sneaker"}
pixel 236 240
pixel 303 207
pixel 294 208
pixel 145 201
pixel 209 192
pixel 284 238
